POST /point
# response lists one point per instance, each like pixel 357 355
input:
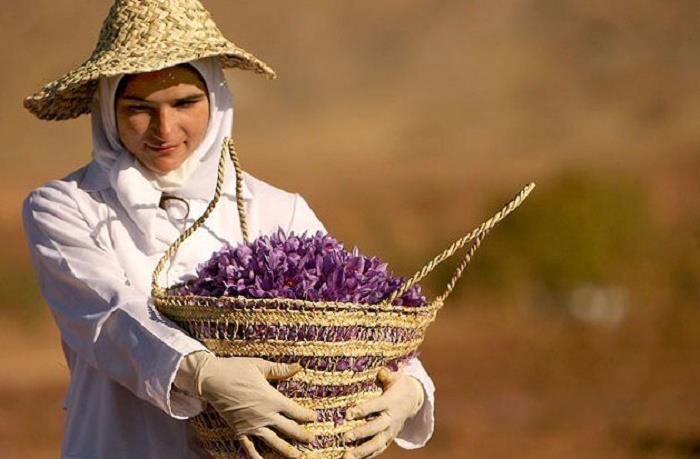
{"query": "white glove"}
pixel 402 398
pixel 237 388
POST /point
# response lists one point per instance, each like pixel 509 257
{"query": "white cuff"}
pixel 417 430
pixel 180 404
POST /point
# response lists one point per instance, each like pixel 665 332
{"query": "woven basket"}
pixel 341 346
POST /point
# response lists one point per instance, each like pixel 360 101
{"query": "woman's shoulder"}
pixel 261 189
pixel 268 196
pixel 74 193
pixel 52 206
pixel 64 188
pixel 287 209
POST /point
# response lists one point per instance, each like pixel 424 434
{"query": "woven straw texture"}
pixel 141 36
pixel 341 346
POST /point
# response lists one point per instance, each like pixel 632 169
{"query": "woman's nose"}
pixel 162 124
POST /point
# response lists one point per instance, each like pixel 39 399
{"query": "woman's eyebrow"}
pixel 190 98
pixel 134 98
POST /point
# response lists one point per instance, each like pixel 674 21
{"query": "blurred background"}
pixel 405 123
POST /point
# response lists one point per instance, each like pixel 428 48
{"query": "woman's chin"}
pixel 163 166
pixel 166 163
pixel 162 162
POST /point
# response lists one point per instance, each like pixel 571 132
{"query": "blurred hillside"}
pixel 407 123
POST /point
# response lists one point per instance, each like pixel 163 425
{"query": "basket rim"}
pixel 223 302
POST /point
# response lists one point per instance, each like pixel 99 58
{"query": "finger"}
pixel 293 430
pixel 370 448
pixel 249 447
pixel 373 427
pixel 275 442
pixel 374 405
pixel 274 371
pixel 379 451
pixel 293 410
pixel 387 377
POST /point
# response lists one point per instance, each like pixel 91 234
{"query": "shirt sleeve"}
pixel 417 430
pixel 111 325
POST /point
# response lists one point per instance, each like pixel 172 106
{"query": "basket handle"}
pixel 476 236
pixel 226 146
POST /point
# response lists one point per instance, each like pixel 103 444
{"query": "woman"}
pixel 160 111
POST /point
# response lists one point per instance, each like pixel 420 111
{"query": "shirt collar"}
pixel 97 179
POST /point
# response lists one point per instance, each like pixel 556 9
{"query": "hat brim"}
pixel 71 95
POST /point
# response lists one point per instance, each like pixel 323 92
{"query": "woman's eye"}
pixel 185 103
pixel 137 108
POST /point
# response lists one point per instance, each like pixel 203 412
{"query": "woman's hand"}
pixel 401 400
pixel 237 388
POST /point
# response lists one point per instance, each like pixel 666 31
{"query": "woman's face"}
pixel 162 116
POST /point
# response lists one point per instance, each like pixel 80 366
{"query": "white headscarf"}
pixel 137 188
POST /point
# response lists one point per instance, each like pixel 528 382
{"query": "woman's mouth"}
pixel 162 149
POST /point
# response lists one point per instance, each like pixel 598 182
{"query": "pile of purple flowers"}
pixel 315 268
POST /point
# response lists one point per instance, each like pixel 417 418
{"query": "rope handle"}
pixel 226 146
pixel 476 236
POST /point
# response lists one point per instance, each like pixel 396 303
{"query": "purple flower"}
pixel 315 268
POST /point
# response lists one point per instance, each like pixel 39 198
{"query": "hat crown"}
pixel 141 36
pixel 155 24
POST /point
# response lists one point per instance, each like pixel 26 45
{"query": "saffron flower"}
pixel 314 268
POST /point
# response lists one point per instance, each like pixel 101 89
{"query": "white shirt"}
pixel 121 352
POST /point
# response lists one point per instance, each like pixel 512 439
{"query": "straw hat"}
pixel 141 36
